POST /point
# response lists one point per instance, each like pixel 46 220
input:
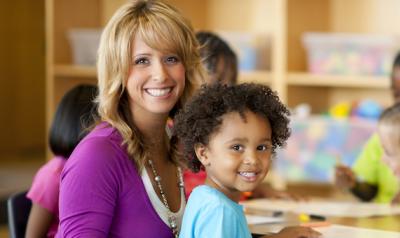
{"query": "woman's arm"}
pixel 39 222
pixel 88 191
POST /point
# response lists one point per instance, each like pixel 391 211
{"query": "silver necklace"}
pixel 171 216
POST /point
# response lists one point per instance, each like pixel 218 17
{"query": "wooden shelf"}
pixel 344 81
pixel 258 76
pixel 76 71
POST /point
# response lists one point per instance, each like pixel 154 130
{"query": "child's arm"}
pixel 39 222
pixel 345 178
pixel 296 232
pixel 364 191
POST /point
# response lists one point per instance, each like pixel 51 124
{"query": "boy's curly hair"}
pixel 202 115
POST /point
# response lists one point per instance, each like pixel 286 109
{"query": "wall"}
pixel 22 77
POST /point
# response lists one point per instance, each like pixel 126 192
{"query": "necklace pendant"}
pixel 173 225
pixel 171 218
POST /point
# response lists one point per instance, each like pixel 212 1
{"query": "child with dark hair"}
pixel 232 132
pixel 221 63
pixel 218 58
pixel 74 114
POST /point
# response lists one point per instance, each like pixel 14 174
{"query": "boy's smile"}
pixel 238 154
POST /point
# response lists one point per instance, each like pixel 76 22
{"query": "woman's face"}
pixel 156 80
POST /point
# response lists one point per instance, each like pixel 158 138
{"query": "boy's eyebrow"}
pixel 267 139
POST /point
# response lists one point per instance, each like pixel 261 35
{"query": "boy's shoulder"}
pixel 211 198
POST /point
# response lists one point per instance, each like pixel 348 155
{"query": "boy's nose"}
pixel 251 158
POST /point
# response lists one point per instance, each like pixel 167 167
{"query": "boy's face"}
pixel 391 155
pixel 237 157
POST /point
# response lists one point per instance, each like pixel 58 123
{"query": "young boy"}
pixel 370 178
pixel 389 136
pixel 231 132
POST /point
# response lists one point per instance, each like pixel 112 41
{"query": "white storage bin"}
pixel 84 44
pixel 340 53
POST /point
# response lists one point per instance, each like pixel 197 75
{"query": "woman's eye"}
pixel 141 61
pixel 172 60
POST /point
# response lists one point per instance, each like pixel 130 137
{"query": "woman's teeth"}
pixel 158 92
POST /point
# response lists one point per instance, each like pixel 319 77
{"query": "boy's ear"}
pixel 202 153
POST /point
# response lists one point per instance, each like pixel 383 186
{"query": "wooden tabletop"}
pixel 388 223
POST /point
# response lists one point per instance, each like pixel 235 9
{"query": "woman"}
pixel 123 179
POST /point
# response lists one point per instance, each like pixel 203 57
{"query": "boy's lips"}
pixel 249 175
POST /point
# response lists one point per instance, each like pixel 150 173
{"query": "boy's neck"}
pixel 232 195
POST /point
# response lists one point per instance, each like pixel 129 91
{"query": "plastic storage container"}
pixel 317 143
pixel 84 44
pixel 354 54
pixel 252 50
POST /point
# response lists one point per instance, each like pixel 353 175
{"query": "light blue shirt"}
pixel 209 213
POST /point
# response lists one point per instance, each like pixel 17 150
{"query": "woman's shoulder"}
pixel 104 131
pixel 102 145
pixel 103 137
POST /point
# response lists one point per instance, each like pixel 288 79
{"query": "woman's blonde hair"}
pixel 389 122
pixel 162 28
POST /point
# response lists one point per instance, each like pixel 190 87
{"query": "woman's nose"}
pixel 159 72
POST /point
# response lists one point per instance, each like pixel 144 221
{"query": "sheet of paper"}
pixel 256 219
pixel 335 231
pixel 324 208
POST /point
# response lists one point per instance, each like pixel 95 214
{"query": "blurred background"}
pixel 329 61
pixel 22 96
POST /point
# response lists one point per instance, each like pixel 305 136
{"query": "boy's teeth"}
pixel 248 174
pixel 158 92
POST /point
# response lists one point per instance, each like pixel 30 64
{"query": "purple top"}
pixel 45 189
pixel 102 194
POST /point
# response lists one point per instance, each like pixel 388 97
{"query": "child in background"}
pixel 74 113
pixel 370 178
pixel 218 58
pixel 231 131
pixel 389 135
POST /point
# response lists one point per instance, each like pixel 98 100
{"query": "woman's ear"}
pixel 202 154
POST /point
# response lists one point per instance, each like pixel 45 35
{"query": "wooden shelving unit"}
pixel 75 71
pixel 343 81
pixel 284 21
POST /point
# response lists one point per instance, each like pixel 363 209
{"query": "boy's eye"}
pixel 262 147
pixel 141 61
pixel 237 147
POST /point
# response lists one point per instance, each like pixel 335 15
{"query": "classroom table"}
pixel 387 223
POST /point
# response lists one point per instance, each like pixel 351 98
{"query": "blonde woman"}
pixel 123 179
